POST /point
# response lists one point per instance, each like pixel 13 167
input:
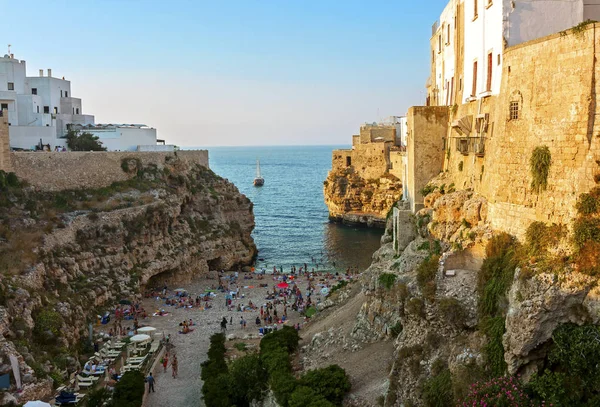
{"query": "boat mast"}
pixel 257 169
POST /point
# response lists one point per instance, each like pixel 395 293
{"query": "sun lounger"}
pixel 78 398
pixel 81 378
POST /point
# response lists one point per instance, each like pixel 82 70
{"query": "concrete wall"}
pixel 72 170
pixel 5 164
pixel 27 137
pixel 427 128
pixel 124 138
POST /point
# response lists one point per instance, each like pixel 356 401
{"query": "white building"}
pixel 123 137
pixel 468 41
pixel 42 108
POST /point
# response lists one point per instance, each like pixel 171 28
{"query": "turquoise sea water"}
pixel 292 226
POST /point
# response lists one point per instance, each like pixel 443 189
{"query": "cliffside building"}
pixel 469 38
pixel 5 164
pixel 43 108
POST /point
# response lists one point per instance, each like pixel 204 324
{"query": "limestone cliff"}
pixel 353 199
pixel 66 256
pixel 449 323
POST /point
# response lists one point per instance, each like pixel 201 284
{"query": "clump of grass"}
pixel 387 280
pixel 241 346
pixel 426 276
pixel 539 165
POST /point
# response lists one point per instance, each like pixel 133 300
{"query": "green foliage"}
pixel 250 380
pixel 331 382
pixel 424 246
pixel 415 306
pixel 426 273
pixel 387 280
pixel 83 142
pixel 396 329
pixel 496 274
pixel 570 376
pixel 452 310
pixel 586 229
pixel 338 286
pixel 285 338
pixel 539 165
pixel 437 390
pixel 241 346
pixel 589 203
pixel 306 397
pixel 48 324
pixel 97 397
pixel 493 350
pixel 539 237
pixel 12 180
pixel 283 385
pixel 427 189
pixel 129 390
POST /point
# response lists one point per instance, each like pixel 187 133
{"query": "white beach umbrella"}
pixel 146 329
pixel 180 290
pixel 36 403
pixel 140 338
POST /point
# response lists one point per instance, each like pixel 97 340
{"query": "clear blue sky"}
pixel 231 72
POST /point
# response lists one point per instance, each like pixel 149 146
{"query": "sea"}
pixel 292 224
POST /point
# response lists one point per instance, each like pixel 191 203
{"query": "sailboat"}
pixel 258 181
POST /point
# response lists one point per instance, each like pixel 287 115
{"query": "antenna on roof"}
pixel 9 49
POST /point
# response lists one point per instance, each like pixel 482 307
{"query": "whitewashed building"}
pixel 468 41
pixel 41 109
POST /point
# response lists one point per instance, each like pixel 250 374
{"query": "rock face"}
pixel 67 255
pixel 354 200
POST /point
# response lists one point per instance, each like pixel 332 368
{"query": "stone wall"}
pixel 427 129
pixel 72 170
pixel 397 163
pixel 5 163
pixel 370 161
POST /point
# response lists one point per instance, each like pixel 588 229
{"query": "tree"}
pixel 129 391
pixel 331 382
pixel 83 142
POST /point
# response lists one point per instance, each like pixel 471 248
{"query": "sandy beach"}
pixel 191 348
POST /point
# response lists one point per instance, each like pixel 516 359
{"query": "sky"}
pixel 223 73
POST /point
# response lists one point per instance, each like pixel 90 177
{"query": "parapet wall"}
pixel 54 171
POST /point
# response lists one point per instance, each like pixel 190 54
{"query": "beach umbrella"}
pixel 180 290
pixel 283 285
pixel 324 291
pixel 146 329
pixel 36 403
pixel 140 338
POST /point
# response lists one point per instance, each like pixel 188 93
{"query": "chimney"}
pixel 41 73
pixel 49 73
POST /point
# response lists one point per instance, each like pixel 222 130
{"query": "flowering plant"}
pixel 504 391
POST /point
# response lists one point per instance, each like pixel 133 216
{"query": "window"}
pixel 77 111
pixel 38 109
pixel 348 161
pixel 451 90
pixel 489 72
pixel 11 86
pixel 499 59
pixel 514 110
pixel 66 94
pixel 439 43
pixel 474 89
pixel 46 109
pixel 4 106
pixel 55 110
pixel 475 14
pixel 73 110
pixel 34 91
pixel 448 36
pixel 460 83
pixel 61 93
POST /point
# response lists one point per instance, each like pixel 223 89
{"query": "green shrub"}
pixel 437 390
pixel 424 246
pixel 338 286
pixel 589 203
pixel 586 229
pixel 496 274
pixel 250 380
pixel 306 397
pixel 129 390
pixel 493 350
pixel 331 382
pixel 396 329
pixel 286 338
pixel 276 360
pixel 539 165
pixel 97 398
pixel 427 189
pixel 387 280
pixel 415 306
pixel 283 385
pixel 77 141
pixel 540 236
pixel 48 325
pixel 426 273
pixel 241 346
pixel 453 311
pixel 12 180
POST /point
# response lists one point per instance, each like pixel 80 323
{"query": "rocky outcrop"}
pixel 66 256
pixel 354 200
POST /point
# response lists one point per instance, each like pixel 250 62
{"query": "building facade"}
pixel 469 39
pixel 41 109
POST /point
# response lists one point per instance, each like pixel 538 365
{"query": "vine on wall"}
pixel 539 165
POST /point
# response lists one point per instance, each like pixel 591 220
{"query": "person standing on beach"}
pixel 174 366
pixel 150 380
pixel 165 362
pixel 224 324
